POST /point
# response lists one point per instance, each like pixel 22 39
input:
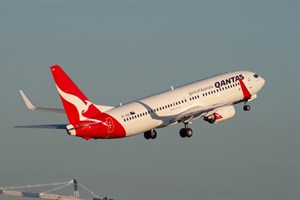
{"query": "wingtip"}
pixel 28 103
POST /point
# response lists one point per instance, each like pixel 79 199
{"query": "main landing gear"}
pixel 150 134
pixel 186 131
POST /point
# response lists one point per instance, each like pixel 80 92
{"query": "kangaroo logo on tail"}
pixel 76 104
pixel 85 109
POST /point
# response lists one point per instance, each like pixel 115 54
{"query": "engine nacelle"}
pixel 220 114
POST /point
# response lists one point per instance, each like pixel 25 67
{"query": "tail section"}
pixel 76 104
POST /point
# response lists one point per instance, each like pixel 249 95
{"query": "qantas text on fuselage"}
pixel 228 81
pixel 211 99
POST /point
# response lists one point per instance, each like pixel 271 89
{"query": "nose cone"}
pixel 262 82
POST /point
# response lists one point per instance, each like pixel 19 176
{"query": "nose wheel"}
pixel 246 107
pixel 186 131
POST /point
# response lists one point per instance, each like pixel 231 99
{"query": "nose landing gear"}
pixel 246 107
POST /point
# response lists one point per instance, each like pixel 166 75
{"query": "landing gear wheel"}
pixel 246 107
pixel 147 135
pixel 150 134
pixel 185 132
pixel 188 132
pixel 153 134
pixel 182 133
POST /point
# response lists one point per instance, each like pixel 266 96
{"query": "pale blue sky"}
pixel 117 51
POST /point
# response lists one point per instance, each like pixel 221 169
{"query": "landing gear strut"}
pixel 186 131
pixel 150 134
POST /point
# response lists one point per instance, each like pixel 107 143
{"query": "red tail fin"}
pixel 76 104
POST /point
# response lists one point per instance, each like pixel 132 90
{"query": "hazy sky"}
pixel 117 51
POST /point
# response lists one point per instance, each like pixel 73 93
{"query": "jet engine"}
pixel 220 114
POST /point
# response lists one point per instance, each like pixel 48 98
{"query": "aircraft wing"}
pixel 195 112
pixel 192 113
pixel 33 107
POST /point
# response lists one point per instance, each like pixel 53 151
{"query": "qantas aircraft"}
pixel 211 99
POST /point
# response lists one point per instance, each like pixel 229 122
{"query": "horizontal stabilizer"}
pixel 33 107
pixel 45 126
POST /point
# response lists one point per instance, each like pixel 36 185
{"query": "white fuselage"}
pixel 186 102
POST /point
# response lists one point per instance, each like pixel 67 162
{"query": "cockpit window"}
pixel 255 76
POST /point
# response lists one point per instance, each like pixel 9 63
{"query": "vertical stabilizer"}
pixel 76 104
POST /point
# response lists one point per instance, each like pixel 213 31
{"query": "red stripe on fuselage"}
pixel 245 91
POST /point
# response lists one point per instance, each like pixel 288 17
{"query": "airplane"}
pixel 211 99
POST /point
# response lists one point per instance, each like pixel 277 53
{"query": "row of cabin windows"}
pixel 155 110
pixel 179 102
pixel 194 97
pixel 214 91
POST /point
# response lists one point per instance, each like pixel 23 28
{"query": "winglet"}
pixel 28 103
pixel 33 107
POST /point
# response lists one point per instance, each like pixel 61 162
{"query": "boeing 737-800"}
pixel 211 99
